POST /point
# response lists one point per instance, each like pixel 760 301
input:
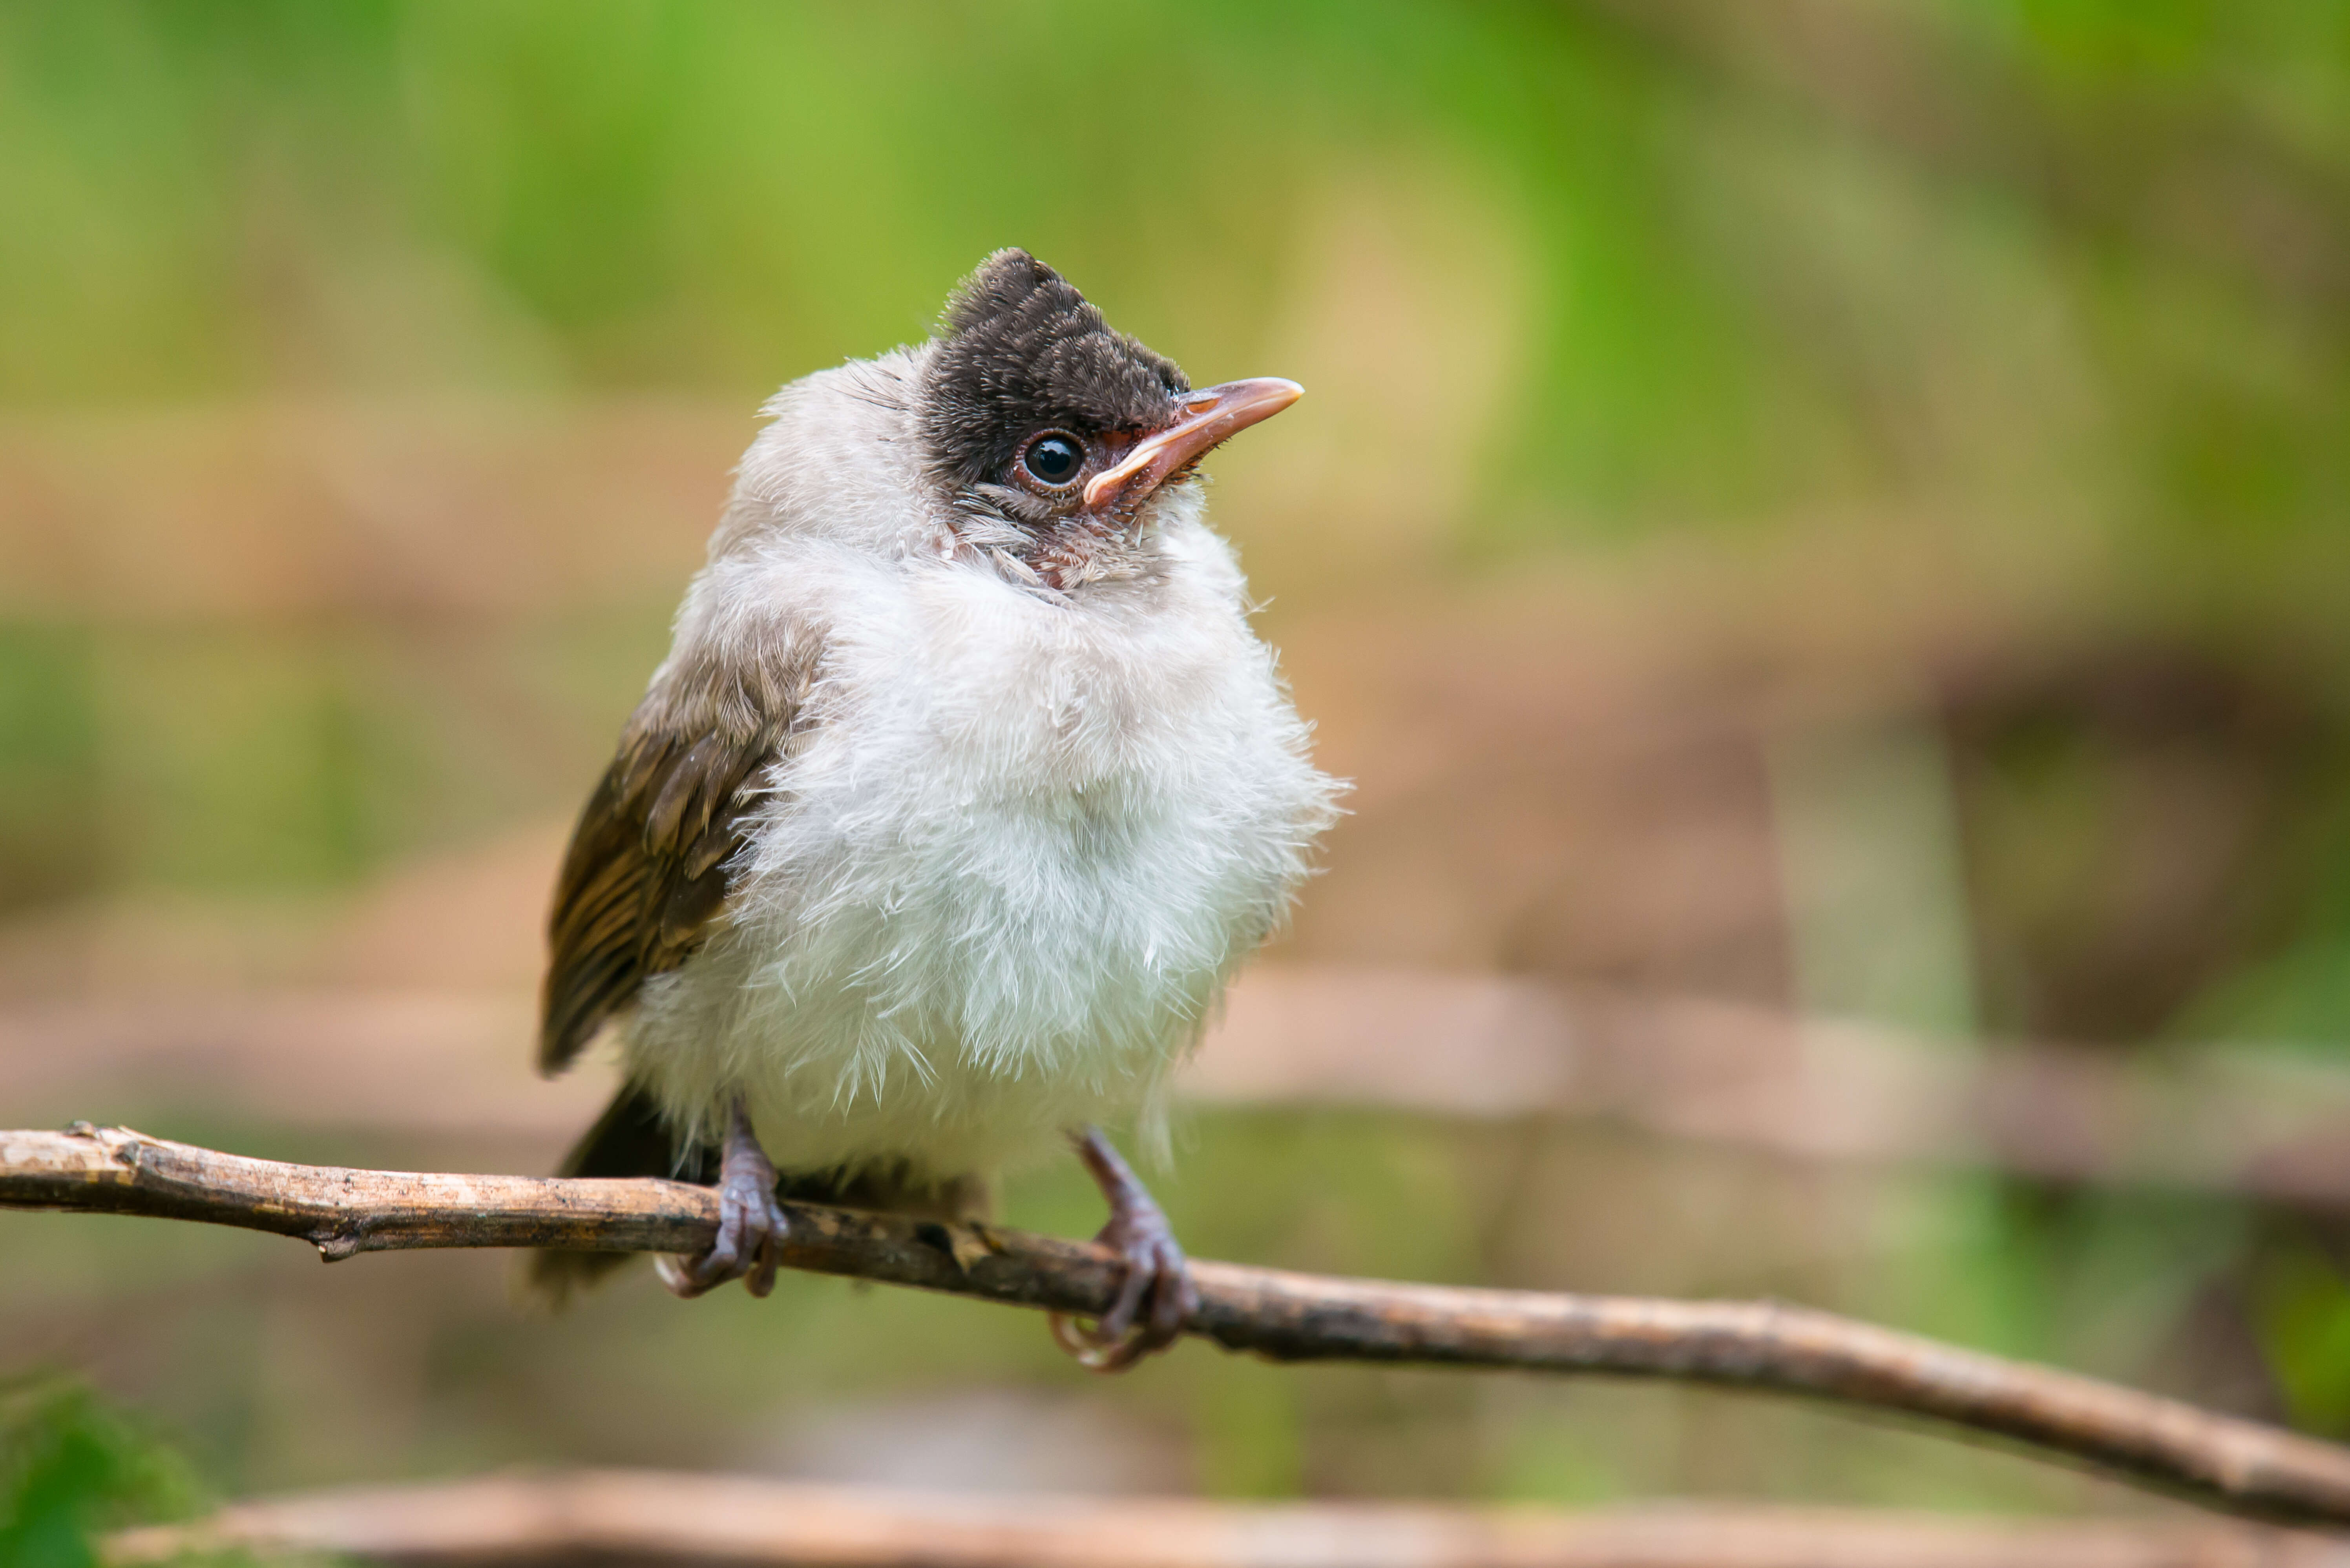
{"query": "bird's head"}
pixel 1054 439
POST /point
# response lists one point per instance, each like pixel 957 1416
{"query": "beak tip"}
pixel 1263 396
pixel 1210 415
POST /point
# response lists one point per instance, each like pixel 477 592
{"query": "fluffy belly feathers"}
pixel 1009 903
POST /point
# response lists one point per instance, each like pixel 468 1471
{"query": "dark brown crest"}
pixel 1021 350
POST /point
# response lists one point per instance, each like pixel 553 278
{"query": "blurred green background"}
pixel 1832 507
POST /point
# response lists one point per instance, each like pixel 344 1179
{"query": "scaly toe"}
pixel 770 1253
pixel 1173 1297
pixel 1153 1301
pixel 751 1224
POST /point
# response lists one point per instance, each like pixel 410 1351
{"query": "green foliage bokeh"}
pixel 71 1468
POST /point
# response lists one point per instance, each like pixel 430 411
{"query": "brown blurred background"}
pixel 1817 532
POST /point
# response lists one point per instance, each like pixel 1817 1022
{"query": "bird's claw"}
pixel 751 1225
pixel 1153 1302
pixel 1155 1298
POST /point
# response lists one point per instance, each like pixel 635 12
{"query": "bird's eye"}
pixel 1053 458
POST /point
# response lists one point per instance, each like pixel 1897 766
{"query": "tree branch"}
pixel 2218 1460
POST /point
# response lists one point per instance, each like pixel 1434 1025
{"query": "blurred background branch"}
pixel 2263 1124
pixel 657 1519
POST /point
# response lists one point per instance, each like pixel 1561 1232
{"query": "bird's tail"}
pixel 630 1139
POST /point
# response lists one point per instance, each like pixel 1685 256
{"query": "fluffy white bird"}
pixel 964 787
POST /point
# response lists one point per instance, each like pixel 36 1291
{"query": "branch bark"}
pixel 648 1518
pixel 2218 1460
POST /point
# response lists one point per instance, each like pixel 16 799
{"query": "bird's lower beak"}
pixel 1210 416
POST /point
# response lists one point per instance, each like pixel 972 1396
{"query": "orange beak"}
pixel 1211 416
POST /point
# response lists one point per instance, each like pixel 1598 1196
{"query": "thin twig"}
pixel 2217 1459
pixel 648 1518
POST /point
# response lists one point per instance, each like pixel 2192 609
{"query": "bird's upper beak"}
pixel 1208 416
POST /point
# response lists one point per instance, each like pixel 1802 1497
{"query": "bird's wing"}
pixel 645 878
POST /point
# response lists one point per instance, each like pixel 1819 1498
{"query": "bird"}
pixel 965 785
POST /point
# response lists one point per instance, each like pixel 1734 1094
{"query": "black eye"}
pixel 1053 458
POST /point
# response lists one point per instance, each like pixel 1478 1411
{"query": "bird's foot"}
pixel 751 1223
pixel 1156 1295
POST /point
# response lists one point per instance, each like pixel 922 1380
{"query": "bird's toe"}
pixel 1154 1300
pixel 751 1226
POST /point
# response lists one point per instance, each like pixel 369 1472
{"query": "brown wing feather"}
pixel 645 881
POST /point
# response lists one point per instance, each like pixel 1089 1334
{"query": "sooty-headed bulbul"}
pixel 965 785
